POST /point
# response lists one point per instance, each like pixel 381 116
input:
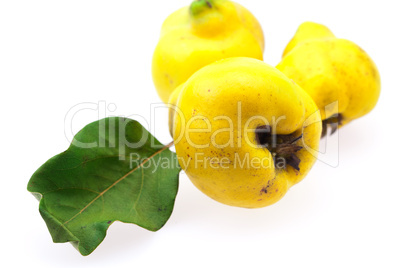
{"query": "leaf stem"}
pixel 169 145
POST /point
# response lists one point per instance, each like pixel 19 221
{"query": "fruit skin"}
pixel 195 36
pixel 172 106
pixel 331 69
pixel 212 95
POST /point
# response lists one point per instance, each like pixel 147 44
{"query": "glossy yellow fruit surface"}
pixel 241 128
pixel 339 75
pixel 172 106
pixel 195 36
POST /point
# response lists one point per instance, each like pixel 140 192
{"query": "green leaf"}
pixel 113 170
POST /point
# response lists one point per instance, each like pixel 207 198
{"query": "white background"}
pixel 57 54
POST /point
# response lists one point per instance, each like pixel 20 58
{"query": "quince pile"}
pixel 244 131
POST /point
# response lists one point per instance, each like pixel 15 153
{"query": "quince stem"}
pixel 199 6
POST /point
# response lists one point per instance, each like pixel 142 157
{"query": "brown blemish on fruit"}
pixel 264 190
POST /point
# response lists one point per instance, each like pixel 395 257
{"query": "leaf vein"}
pixel 117 181
pixel 87 161
pixel 72 188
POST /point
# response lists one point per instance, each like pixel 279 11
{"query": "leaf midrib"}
pixel 116 182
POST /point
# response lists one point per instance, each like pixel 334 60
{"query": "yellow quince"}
pixel 244 132
pixel 340 76
pixel 195 36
